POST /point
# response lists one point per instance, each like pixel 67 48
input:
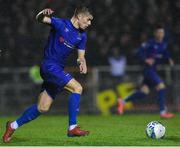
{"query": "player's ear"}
pixel 79 16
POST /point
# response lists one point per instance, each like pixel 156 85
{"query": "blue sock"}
pixel 29 114
pixel 74 101
pixel 135 96
pixel 161 99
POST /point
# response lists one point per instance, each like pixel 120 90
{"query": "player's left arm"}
pixel 81 61
pixel 168 56
pixel 81 54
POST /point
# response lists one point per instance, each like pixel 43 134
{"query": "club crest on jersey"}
pixel 66 30
pixel 61 39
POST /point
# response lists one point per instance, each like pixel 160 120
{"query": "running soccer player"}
pixel 151 54
pixel 65 36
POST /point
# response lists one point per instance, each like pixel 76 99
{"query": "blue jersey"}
pixel 155 50
pixel 63 39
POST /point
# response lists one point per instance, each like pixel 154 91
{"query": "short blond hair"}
pixel 82 10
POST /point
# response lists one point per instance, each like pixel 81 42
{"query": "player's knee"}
pixel 43 109
pixel 160 86
pixel 145 90
pixel 78 89
pixel 75 87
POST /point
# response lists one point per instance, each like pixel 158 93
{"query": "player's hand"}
pixel 47 11
pixel 41 16
pixel 171 62
pixel 149 61
pixel 82 66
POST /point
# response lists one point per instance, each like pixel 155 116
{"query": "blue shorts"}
pixel 151 77
pixel 55 78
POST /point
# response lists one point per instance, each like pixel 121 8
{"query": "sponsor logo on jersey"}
pixel 63 41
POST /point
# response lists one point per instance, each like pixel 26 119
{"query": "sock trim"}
pixel 14 125
pixel 72 126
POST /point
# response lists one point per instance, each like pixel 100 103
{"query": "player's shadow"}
pixel 173 138
pixel 15 140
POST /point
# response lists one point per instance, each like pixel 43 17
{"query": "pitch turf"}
pixel 110 130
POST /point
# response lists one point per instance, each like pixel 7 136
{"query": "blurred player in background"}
pixel 151 53
pixel 65 36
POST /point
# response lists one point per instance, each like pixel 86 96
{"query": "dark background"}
pixel 122 23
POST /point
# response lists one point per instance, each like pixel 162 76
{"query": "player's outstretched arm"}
pixel 82 62
pixel 44 16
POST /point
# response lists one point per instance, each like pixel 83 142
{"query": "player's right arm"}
pixel 167 55
pixel 144 54
pixel 44 16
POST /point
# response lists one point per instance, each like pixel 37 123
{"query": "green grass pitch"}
pixel 124 130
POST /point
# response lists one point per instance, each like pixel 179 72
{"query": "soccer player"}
pixel 65 36
pixel 151 54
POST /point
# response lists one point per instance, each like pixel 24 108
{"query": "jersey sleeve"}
pixel 166 53
pixel 56 23
pixel 82 43
pixel 142 50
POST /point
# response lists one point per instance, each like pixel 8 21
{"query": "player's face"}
pixel 84 21
pixel 159 34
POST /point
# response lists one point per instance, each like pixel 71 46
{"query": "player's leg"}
pixel 74 101
pixel 54 73
pixel 29 114
pixel 161 96
pixel 44 103
pixel 161 89
pixel 142 93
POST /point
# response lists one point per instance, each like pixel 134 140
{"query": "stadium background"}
pixel 123 24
